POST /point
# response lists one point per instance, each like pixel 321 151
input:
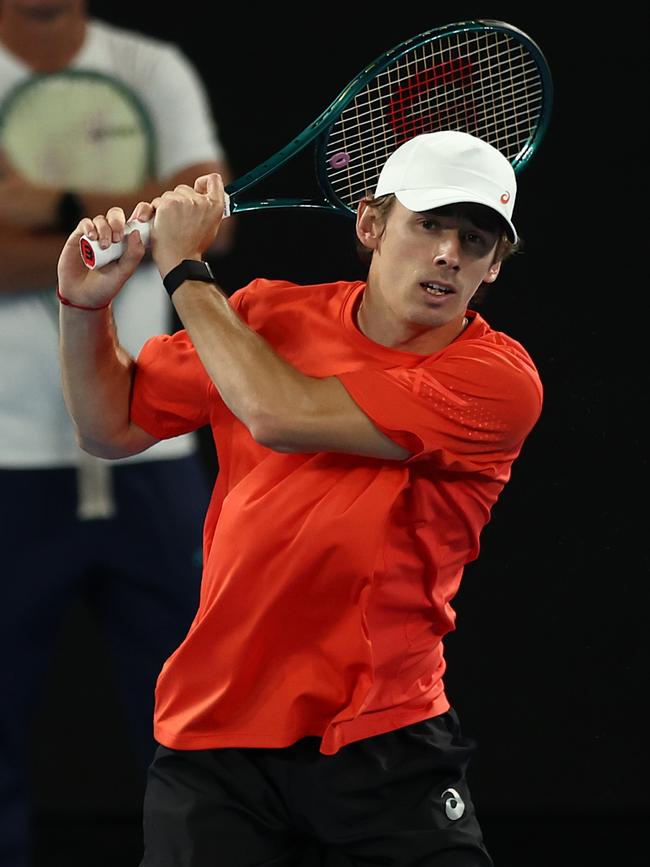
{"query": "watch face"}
pixel 188 269
pixel 199 271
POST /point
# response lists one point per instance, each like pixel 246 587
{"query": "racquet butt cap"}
pixel 449 167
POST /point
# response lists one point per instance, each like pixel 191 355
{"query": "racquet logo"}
pixel 433 99
pixel 454 804
pixel 98 134
pixel 87 252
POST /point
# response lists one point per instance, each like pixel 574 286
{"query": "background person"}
pixel 74 527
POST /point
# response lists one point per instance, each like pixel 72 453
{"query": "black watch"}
pixel 188 269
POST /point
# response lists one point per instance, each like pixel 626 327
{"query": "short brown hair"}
pixel 482 217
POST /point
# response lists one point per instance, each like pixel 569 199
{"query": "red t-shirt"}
pixel 328 578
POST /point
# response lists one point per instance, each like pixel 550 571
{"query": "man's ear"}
pixel 368 230
pixel 492 273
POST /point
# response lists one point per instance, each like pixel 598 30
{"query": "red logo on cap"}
pixel 505 198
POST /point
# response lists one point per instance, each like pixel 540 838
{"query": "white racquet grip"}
pixel 94 257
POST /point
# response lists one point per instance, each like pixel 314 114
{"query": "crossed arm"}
pixel 282 408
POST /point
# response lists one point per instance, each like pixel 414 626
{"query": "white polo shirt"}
pixel 35 429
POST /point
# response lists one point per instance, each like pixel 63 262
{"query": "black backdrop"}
pixel 548 665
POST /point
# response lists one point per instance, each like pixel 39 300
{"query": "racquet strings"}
pixel 483 83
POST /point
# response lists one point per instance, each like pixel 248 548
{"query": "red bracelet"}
pixel 77 306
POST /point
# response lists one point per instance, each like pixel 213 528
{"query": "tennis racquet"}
pixel 77 130
pixel 483 77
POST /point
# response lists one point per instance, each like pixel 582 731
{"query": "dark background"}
pixel 548 667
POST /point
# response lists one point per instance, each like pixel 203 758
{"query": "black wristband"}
pixel 188 269
pixel 69 211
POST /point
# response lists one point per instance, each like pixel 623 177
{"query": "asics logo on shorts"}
pixel 454 804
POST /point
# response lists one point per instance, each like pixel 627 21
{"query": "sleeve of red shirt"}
pixel 468 409
pixel 171 388
pixel 172 393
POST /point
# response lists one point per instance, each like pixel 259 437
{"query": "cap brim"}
pixel 428 200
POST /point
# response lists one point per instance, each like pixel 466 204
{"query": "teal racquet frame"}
pixel 320 128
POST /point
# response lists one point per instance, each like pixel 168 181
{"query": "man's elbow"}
pixel 99 450
pixel 110 451
pixel 271 434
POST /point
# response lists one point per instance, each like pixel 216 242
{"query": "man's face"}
pixel 41 10
pixel 425 266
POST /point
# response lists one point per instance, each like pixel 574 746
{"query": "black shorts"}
pixel 398 799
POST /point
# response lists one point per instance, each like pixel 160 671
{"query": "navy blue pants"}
pixel 398 799
pixel 138 573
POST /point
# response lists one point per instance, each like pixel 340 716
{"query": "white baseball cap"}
pixel 449 167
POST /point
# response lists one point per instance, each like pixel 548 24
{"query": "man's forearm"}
pixel 97 375
pixel 282 407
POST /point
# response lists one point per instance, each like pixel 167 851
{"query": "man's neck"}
pixel 44 46
pixel 381 327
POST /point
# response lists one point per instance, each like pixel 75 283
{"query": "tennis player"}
pixel 364 432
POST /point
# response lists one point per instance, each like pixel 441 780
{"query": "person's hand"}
pixel 186 221
pixel 81 286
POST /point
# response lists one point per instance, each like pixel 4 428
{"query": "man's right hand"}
pixel 83 287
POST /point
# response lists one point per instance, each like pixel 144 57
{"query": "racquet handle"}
pixel 93 256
